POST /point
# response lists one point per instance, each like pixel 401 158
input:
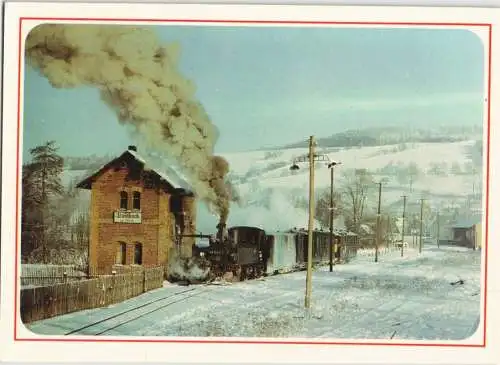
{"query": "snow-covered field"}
pixel 267 187
pixel 272 167
pixel 400 298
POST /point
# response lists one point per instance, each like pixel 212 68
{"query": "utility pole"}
pixel 377 244
pixel 403 225
pixel 311 224
pixel 330 246
pixel 331 166
pixel 421 224
pixel 311 157
pixel 389 228
pixel 438 228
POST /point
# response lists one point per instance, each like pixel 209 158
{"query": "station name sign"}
pixel 127 216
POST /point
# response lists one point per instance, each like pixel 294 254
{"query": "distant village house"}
pixel 467 232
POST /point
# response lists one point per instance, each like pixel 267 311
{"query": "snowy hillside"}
pixel 272 168
pixel 444 173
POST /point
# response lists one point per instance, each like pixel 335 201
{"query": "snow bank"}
pixel 191 269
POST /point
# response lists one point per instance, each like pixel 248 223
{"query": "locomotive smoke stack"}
pixel 139 79
pixel 222 233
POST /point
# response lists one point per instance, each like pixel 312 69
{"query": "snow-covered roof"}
pixel 366 229
pixel 155 164
pixel 164 170
pixel 467 222
pixel 336 231
pixel 277 233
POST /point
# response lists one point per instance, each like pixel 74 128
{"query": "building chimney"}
pixel 132 148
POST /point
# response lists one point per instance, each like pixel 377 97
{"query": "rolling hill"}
pixel 445 169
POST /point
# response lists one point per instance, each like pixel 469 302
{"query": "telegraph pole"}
pixel 403 225
pixel 330 246
pixel 311 157
pixel 331 166
pixel 389 227
pixel 378 221
pixel 421 224
pixel 311 224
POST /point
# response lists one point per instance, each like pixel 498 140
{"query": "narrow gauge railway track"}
pixel 117 315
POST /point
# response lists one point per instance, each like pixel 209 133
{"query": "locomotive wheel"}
pixel 251 273
pixel 238 274
pixel 259 272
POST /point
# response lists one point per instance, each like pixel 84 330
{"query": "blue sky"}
pixel 272 86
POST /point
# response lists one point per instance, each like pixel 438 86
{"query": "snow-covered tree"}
pixel 357 188
pixel 41 184
pixel 323 207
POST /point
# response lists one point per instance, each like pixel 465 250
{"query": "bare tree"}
pixel 323 207
pixel 358 185
pixel 388 226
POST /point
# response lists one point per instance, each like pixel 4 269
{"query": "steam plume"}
pixel 138 78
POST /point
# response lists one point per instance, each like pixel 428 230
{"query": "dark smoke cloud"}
pixel 139 79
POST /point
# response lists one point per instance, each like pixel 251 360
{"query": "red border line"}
pixel 290 22
pixel 254 342
pixel 18 144
pixel 487 210
pixel 243 21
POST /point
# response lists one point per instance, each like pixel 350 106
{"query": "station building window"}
pixel 121 254
pixel 123 200
pixel 138 254
pixel 136 200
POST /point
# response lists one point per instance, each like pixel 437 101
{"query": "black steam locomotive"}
pixel 250 252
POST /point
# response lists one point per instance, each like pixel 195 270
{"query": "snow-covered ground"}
pixel 400 298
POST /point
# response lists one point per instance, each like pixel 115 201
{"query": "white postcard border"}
pixel 180 352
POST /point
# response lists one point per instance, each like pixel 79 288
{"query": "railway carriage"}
pixel 250 252
pixel 301 249
pixel 350 247
pixel 282 254
pixel 321 247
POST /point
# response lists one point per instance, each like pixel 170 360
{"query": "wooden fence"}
pixel 35 275
pixel 39 303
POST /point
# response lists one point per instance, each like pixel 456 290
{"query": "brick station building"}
pixel 138 213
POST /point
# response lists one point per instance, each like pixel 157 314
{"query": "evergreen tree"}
pixel 41 182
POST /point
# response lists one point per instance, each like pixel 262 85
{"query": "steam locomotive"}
pixel 250 252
